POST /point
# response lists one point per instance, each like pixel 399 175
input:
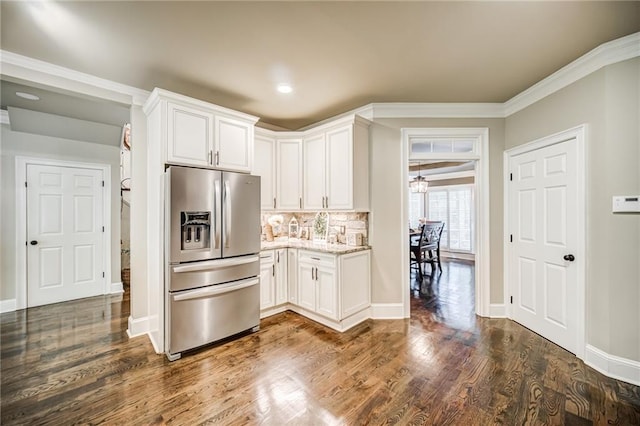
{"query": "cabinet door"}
pixel 264 166
pixel 326 296
pixel 289 175
pixel 314 173
pixel 233 144
pixel 190 135
pixel 339 190
pixel 306 286
pixel 292 276
pixel 281 276
pixel 267 293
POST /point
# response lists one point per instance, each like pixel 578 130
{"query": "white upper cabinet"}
pixel 264 165
pixel 196 133
pixel 279 163
pixel 189 135
pixel 233 144
pixel 336 167
pixel 289 174
pixel 315 167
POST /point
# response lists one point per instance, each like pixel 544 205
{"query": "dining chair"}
pixel 426 248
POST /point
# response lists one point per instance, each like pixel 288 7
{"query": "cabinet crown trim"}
pixel 298 134
pixel 159 94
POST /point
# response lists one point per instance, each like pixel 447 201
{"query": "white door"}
pixel 65 234
pixel 544 232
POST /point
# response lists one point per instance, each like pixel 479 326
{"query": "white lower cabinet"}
pixel 292 274
pixel 317 283
pixel 332 289
pixel 267 275
pixel 273 278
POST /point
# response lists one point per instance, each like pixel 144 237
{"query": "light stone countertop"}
pixel 311 245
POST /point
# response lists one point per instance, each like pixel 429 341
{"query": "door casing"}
pixel 579 133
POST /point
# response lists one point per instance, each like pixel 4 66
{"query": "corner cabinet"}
pixel 336 167
pixel 278 161
pixel 201 134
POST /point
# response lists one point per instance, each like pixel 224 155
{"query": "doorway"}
pixel 452 145
pixel 63 228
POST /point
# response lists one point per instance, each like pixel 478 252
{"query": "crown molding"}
pixel 609 53
pixel 34 70
pixel 437 110
pixel 4 117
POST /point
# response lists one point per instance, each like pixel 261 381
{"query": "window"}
pixel 416 208
pixel 454 206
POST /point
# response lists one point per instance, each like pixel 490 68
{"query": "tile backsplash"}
pixel 341 224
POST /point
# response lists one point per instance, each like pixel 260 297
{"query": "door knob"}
pixel 569 257
pixel 33 242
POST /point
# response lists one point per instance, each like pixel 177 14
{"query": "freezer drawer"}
pixel 205 315
pixel 200 274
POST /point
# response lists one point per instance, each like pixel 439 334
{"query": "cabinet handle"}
pixel 312 277
pixel 277 257
pixel 300 202
pixel 326 200
pixel 210 157
pixel 273 270
pixel 217 158
pixel 274 202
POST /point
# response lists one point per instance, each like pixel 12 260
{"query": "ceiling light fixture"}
pixel 284 88
pixel 419 183
pixel 28 96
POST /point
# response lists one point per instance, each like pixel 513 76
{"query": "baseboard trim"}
pixel 613 366
pixel 117 288
pixel 387 311
pixel 497 310
pixel 273 310
pixel 138 327
pixel 8 305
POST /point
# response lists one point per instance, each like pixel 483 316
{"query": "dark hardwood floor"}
pixel 72 363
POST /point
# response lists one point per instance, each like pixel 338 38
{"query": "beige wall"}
pixel 14 144
pixel 385 222
pixel 139 286
pixel 607 101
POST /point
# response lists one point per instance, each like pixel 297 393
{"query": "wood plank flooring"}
pixel 72 363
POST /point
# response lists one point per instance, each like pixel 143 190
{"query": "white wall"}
pixel 608 102
pixel 14 144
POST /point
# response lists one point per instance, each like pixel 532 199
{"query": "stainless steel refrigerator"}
pixel 213 264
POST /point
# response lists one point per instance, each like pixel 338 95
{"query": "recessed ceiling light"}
pixel 285 88
pixel 28 96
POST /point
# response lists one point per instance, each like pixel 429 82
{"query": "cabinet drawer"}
pixel 266 256
pixel 324 259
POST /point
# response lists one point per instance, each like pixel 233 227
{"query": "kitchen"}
pixel 384 222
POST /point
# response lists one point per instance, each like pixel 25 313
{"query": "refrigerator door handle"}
pixel 216 219
pixel 227 213
pixel 216 290
pixel 215 264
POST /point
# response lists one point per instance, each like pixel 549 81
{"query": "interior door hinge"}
pixel 103 275
pixel 511 300
pixel 25 184
pixel 103 229
pixel 103 184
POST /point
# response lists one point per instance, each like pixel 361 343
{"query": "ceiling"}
pixel 337 55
